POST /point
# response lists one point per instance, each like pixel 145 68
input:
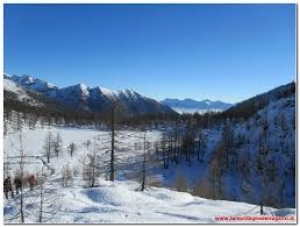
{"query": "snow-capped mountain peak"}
pixel 32 83
pixel 84 89
pixel 207 102
pixel 27 79
pixel 107 92
pixel 96 99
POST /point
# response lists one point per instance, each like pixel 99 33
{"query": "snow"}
pixel 127 94
pixel 207 102
pixel 84 88
pixel 21 93
pixel 50 85
pixel 107 92
pixel 122 202
pixel 192 106
pixel 30 80
pixel 34 140
pixel 82 97
pixel 182 110
pixel 119 202
pixel 33 83
pixel 13 87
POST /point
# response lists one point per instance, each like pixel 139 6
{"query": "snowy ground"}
pixel 33 142
pixel 119 202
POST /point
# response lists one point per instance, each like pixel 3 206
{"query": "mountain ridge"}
pixel 191 105
pixel 81 97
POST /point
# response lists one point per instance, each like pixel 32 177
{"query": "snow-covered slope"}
pixel 11 86
pixel 280 144
pixel 241 181
pixel 81 97
pixel 192 106
pixel 249 107
pixel 119 202
pixel 34 83
pixel 17 92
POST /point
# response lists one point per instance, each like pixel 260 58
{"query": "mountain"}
pixel 191 106
pixel 22 99
pixel 81 97
pixel 33 83
pixel 12 90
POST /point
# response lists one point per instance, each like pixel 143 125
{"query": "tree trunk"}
pixel 144 165
pixel 112 170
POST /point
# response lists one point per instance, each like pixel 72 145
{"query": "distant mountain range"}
pixel 191 106
pixel 81 97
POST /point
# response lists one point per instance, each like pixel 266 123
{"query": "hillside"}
pixel 242 146
pixel 249 107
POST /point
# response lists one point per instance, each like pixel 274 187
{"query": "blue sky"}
pixel 219 52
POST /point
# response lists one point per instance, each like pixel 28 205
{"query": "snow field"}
pixel 33 142
pixel 119 202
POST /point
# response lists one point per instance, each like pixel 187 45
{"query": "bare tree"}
pixel 6 165
pixel 217 171
pixel 57 144
pixel 164 146
pixel 7 113
pixel 87 144
pixel 112 154
pixel 217 174
pixel 72 148
pixel 22 155
pixel 47 203
pixel 228 141
pixel 19 121
pixel 92 172
pixel 188 143
pixel 245 170
pixel 67 175
pixel 20 199
pixel 48 146
pixel 141 163
pixel 83 161
pixel 177 145
pixel 201 146
pixel 145 148
pixel 40 218
pixel 262 159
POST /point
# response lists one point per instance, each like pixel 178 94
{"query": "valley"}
pixel 237 155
